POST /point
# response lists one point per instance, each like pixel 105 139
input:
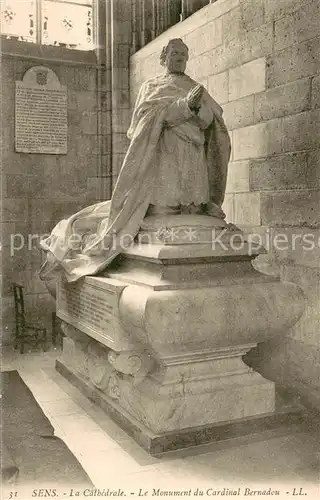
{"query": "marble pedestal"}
pixel 158 339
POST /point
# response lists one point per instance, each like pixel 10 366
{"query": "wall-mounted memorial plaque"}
pixel 92 306
pixel 41 124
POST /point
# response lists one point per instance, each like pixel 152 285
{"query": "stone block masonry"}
pixel 289 99
pixel 238 177
pixel 247 79
pixel 300 25
pixel 290 208
pixel 263 139
pixel 239 113
pixel 261 62
pixel 218 86
pixel 279 172
pixel 293 63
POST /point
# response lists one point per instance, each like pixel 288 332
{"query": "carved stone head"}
pixel 174 56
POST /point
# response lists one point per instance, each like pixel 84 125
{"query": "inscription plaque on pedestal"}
pixel 92 306
pixel 41 113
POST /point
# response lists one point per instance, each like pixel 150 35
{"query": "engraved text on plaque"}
pixel 92 306
pixel 40 113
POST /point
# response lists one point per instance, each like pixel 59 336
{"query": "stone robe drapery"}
pixel 181 171
pixel 89 240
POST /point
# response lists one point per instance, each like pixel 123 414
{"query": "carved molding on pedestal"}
pixel 134 363
pixel 106 367
pixel 102 365
pixel 173 359
pixel 100 372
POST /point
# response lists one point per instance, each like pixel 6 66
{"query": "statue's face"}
pixel 177 56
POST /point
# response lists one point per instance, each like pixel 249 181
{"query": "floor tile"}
pixel 46 392
pixel 91 442
pixel 63 407
pixel 113 459
pixel 110 467
pixel 76 424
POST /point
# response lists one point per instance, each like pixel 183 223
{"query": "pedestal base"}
pixel 158 339
pixel 158 444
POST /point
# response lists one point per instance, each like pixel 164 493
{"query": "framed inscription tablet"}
pixel 41 113
pixel 92 306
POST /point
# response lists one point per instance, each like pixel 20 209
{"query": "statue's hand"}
pixel 194 97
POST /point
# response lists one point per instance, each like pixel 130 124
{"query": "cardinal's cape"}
pixel 89 240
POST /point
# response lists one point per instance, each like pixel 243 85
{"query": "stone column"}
pixel 104 180
pixel 99 184
pixel 121 39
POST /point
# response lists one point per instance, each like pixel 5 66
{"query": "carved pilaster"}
pixel 143 29
pixel 154 19
pixel 135 36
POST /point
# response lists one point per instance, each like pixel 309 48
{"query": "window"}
pixel 49 22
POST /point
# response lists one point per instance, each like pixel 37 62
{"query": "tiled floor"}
pixel 280 461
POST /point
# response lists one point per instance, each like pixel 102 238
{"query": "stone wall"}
pixel 121 39
pixel 260 59
pixel 41 189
